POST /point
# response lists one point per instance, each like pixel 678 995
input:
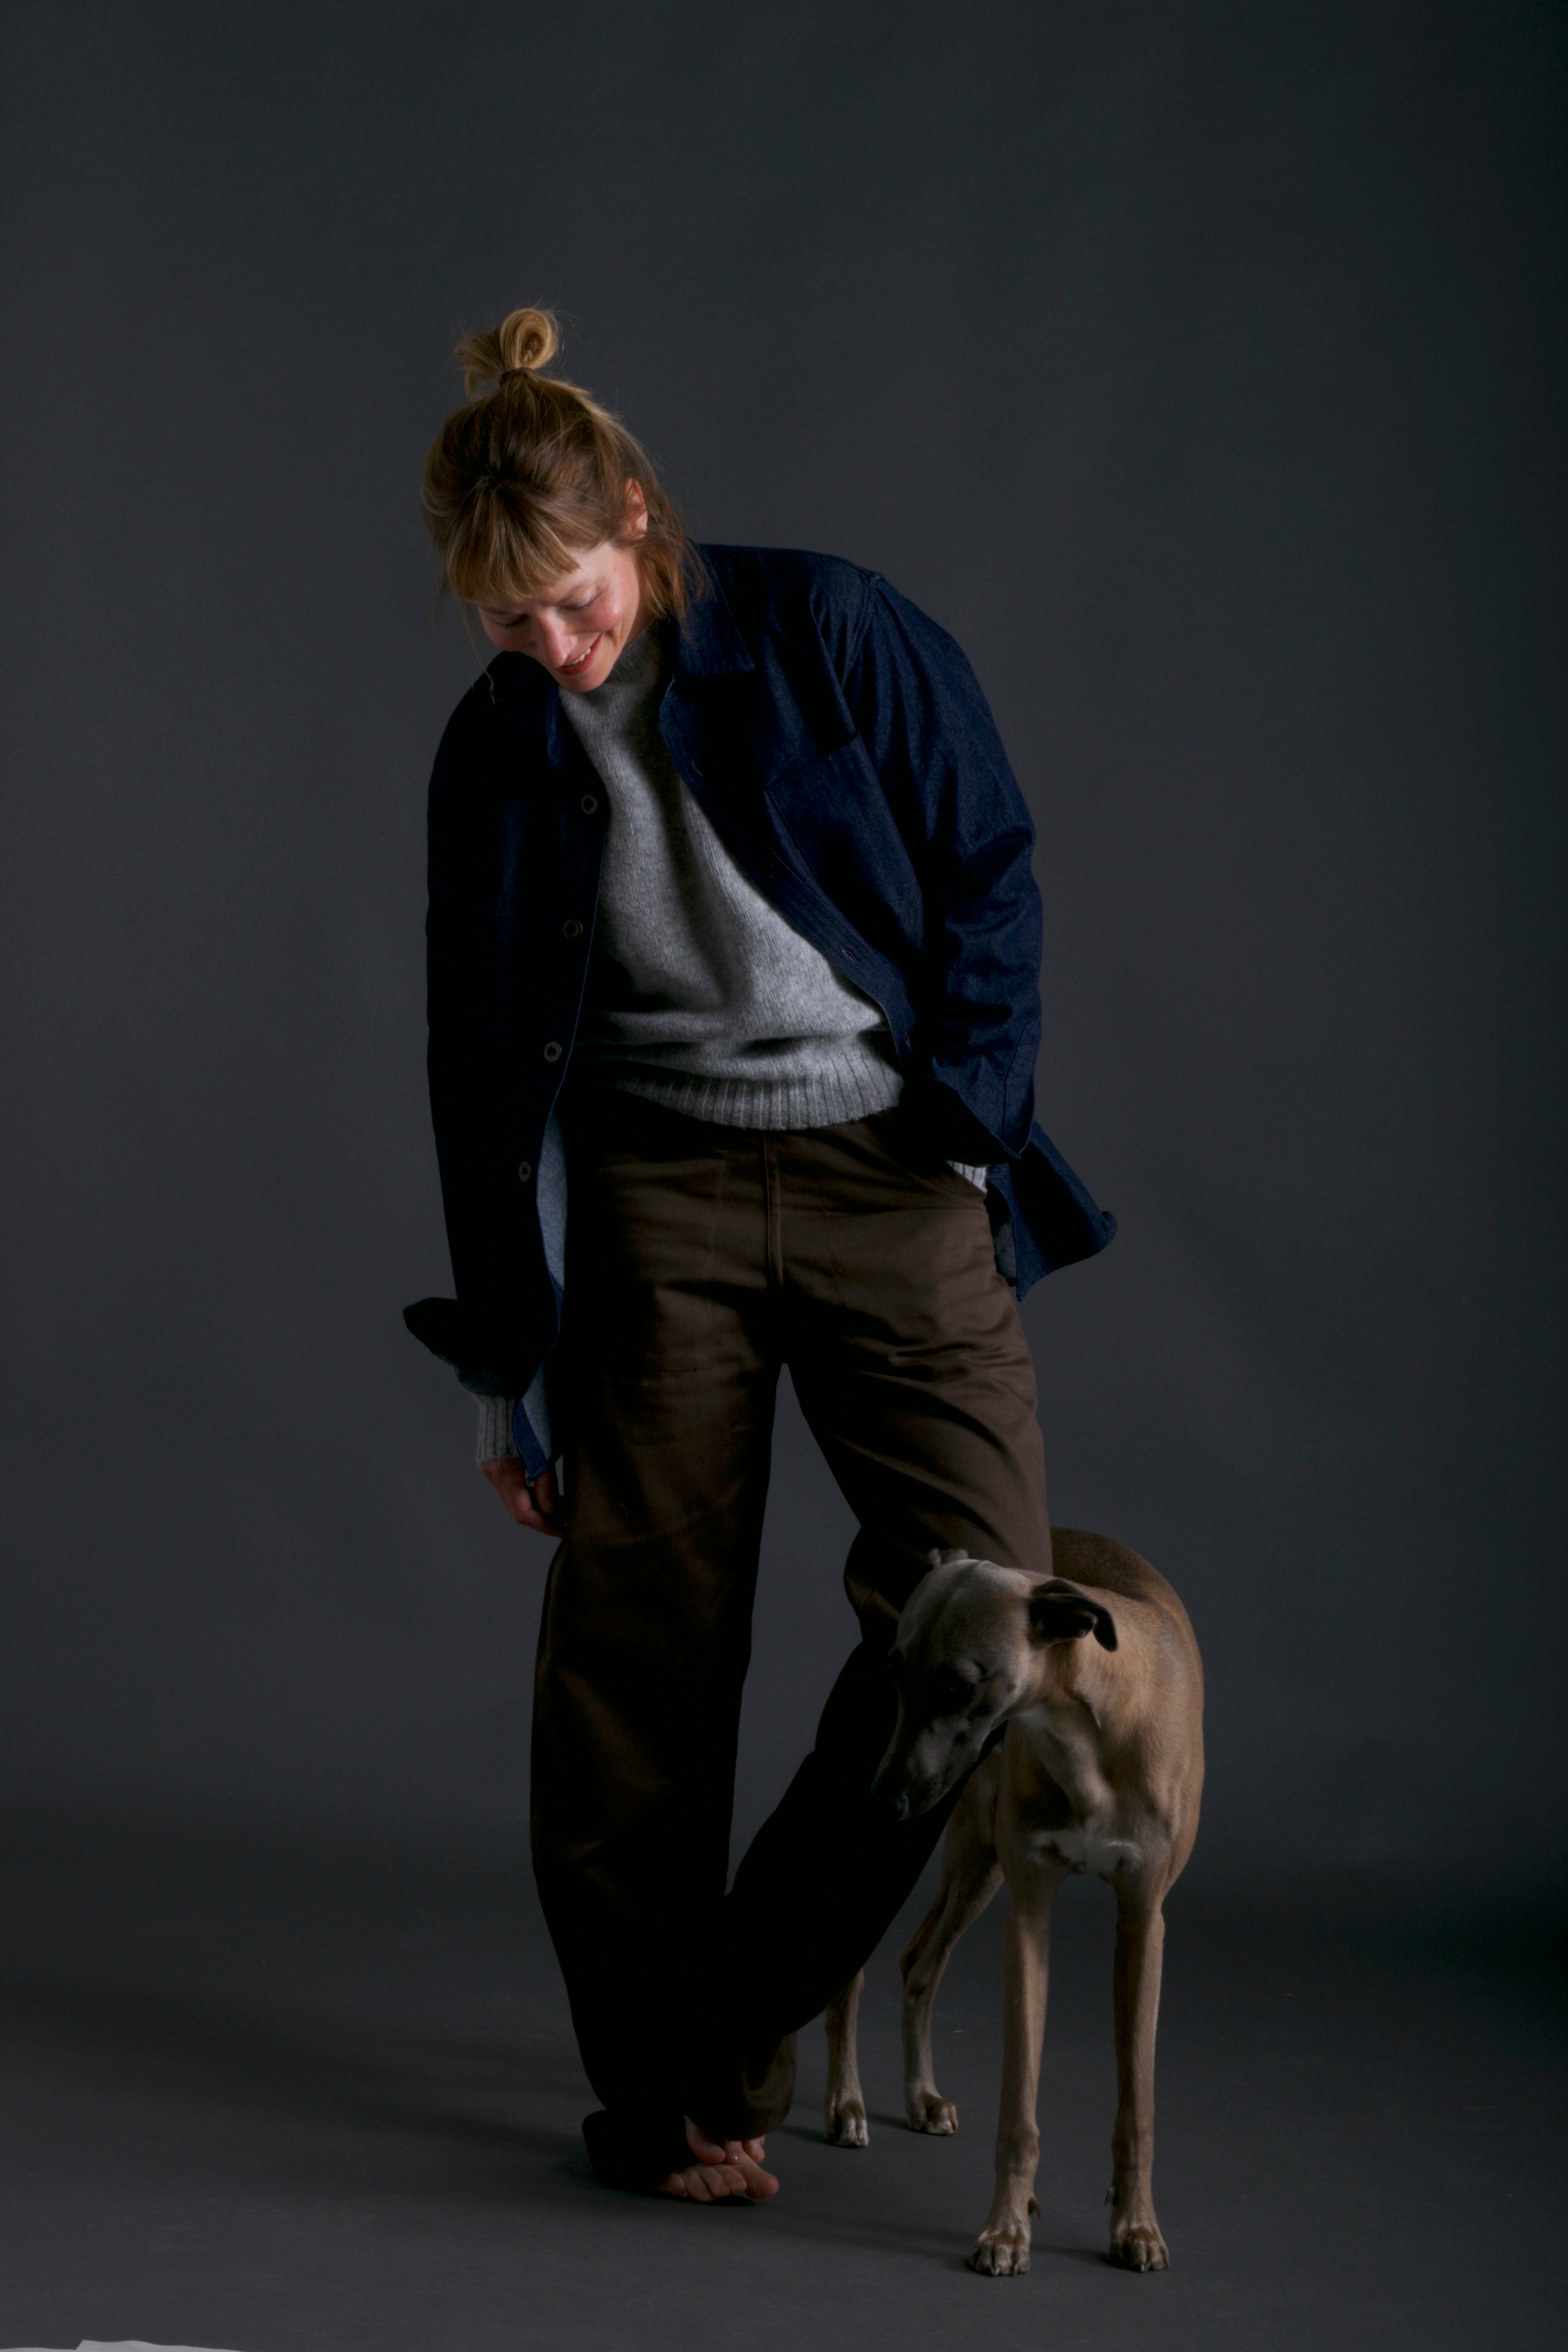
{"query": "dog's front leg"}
pixel 970 1877
pixel 1002 2249
pixel 1136 2241
pixel 843 2104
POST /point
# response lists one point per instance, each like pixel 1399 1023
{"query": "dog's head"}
pixel 967 1655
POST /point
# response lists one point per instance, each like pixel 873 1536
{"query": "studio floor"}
pixel 265 2104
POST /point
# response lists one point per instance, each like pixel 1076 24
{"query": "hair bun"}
pixel 525 339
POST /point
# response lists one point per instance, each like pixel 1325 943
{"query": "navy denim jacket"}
pixel 839 743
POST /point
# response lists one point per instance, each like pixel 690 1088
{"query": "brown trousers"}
pixel 701 1258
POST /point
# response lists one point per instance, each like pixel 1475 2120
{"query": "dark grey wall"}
pixel 1192 363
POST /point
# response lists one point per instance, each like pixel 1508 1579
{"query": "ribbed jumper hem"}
pixel 850 1085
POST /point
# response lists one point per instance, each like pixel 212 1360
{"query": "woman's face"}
pixel 579 626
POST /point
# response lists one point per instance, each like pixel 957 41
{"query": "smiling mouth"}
pixel 571 669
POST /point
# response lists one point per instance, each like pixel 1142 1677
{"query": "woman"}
pixel 733 942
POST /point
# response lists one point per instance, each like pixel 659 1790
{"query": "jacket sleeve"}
pixel 920 713
pixel 457 994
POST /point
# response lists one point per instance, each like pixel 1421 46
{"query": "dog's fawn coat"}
pixel 1096 1675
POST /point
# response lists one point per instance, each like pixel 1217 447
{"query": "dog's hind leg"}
pixel 1002 2249
pixel 970 1877
pixel 844 2104
pixel 1136 2241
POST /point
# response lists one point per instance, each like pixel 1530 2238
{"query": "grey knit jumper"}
pixel 700 996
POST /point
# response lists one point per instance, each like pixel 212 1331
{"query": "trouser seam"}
pixel 774 1212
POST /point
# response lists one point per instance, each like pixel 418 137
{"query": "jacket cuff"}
pixel 495 1443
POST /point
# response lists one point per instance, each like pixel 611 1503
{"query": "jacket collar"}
pixel 710 643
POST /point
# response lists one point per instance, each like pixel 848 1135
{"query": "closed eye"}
pixel 952 1691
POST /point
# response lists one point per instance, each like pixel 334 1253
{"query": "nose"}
pixel 890 1792
pixel 554 642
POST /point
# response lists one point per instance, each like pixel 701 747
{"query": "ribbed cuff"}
pixel 495 1429
pixel 976 1176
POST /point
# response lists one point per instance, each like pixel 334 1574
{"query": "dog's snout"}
pixel 902 1792
pixel 917 1771
pixel 890 1792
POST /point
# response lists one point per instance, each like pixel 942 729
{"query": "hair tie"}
pixel 513 371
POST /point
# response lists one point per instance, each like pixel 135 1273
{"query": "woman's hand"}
pixel 537 1505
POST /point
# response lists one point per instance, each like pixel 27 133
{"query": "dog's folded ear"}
pixel 1060 1611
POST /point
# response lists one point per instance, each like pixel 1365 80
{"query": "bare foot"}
pixel 731 2168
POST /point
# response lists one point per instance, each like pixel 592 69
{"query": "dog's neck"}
pixel 1077 1687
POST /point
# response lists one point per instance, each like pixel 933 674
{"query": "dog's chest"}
pixel 1079 1846
pixel 1067 1812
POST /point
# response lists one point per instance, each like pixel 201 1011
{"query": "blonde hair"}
pixel 533 472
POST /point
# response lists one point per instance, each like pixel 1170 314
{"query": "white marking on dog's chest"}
pixel 1088 1842
pixel 1080 1847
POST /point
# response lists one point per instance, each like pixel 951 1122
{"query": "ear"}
pixel 1060 1611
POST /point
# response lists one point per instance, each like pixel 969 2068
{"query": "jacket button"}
pixel 524 1170
pixel 572 929
pixel 589 804
pixel 553 1051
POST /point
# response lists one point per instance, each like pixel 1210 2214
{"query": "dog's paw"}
pixel 1002 2253
pixel 1138 2246
pixel 845 2126
pixel 929 2113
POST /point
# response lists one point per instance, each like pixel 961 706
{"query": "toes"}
pixel 928 2112
pixel 1139 2247
pixel 1001 2253
pixel 714 2184
pixel 700 2184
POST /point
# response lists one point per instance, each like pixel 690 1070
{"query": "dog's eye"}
pixel 953 1690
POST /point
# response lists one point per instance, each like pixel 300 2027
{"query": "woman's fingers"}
pixel 547 1501
pixel 537 1507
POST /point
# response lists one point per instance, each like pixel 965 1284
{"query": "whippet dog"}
pixel 1095 1675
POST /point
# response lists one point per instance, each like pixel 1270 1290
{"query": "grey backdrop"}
pixel 1193 364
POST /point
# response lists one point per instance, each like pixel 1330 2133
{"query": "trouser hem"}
pixel 631 2151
